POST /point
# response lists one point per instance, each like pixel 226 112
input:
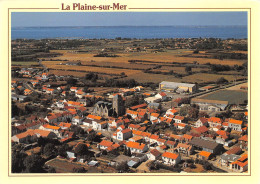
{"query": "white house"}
pixel 162 96
pixel 99 125
pixel 124 134
pixel 154 154
pixel 77 120
pixel 178 119
pixel 235 124
pixel 171 158
pixel 136 147
pixel 201 122
pixel 172 111
pixel 154 116
pixel 105 144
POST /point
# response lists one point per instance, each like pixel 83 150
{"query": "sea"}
pixel 138 32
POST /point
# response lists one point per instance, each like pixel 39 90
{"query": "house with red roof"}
pixel 63 125
pixel 51 128
pixel 162 96
pixel 204 155
pixel 241 164
pixel 117 122
pixel 243 142
pixel 124 134
pixel 45 76
pixel 153 138
pixel 154 116
pixel 171 158
pixel 133 114
pixel 184 148
pixel 77 120
pixel 201 122
pixel 104 144
pixel 171 144
pixel 136 147
pixel 172 111
pixel 31 135
pixel 214 122
pixel 178 119
pixel 179 125
pixel 99 124
pixel 74 89
pixel 200 130
pixel 154 154
pixel 235 124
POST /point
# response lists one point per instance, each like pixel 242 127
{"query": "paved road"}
pixel 26 85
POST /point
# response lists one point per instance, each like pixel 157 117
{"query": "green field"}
pixel 232 96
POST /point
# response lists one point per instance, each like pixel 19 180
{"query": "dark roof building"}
pixel 206 145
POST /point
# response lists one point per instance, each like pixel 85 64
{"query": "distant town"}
pixel 129 105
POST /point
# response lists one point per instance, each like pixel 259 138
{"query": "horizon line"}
pixel 133 26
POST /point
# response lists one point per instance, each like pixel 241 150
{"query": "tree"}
pixel 78 170
pixel 51 170
pixel 188 69
pixel 221 80
pixel 129 152
pixel 122 167
pixel 85 89
pixel 17 162
pixel 81 149
pixel 203 114
pixel 71 81
pixel 62 150
pixel 185 101
pixel 239 116
pixel 49 149
pixel 33 164
pixel 125 151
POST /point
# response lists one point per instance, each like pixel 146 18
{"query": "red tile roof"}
pixel 155 152
pixel 205 154
pixel 170 155
pixel 135 145
pixel 106 143
pixel 233 121
pixel 126 130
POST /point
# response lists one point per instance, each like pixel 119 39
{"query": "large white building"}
pixel 178 87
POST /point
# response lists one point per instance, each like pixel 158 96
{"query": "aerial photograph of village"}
pixel 143 92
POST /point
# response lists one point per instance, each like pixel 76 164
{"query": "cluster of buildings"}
pixel 131 129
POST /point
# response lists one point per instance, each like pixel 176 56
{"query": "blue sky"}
pixel 31 19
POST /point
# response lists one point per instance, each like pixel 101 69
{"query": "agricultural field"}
pixel 156 78
pixel 165 57
pixel 206 77
pixel 24 63
pixel 237 87
pixel 179 70
pixel 153 60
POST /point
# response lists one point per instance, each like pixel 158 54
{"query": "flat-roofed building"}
pixel 178 87
pixel 209 105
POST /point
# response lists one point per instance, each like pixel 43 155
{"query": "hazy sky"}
pixel 30 19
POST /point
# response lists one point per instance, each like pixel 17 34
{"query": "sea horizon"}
pixel 131 31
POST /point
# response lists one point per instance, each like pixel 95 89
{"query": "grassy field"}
pixel 24 63
pixel 156 78
pixel 75 73
pixel 117 71
pixel 232 96
pixel 205 77
pixel 179 70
